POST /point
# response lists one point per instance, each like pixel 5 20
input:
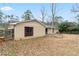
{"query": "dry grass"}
pixel 64 44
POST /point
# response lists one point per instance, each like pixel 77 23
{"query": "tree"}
pixel 1 16
pixel 53 10
pixel 57 21
pixel 10 19
pixel 5 25
pixel 7 18
pixel 75 10
pixel 68 27
pixel 13 19
pixel 27 15
pixel 77 17
pixel 43 14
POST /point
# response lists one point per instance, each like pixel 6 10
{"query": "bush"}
pixel 68 27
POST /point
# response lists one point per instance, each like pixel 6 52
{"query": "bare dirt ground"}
pixel 53 45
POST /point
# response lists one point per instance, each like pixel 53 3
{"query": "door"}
pixel 46 30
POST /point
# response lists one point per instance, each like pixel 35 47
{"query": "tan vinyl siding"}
pixel 11 27
pixel 49 31
pixel 38 30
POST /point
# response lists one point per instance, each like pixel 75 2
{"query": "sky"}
pixel 63 9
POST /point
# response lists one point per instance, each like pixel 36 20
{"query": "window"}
pixel 28 31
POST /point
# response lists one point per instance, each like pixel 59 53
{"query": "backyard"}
pixel 58 44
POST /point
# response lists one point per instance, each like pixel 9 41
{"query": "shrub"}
pixel 68 27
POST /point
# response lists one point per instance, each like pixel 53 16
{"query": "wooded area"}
pixel 55 21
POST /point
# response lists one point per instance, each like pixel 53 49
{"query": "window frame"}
pixel 28 31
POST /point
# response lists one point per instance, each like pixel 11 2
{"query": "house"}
pixel 29 29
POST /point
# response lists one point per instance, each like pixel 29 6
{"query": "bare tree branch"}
pixel 43 13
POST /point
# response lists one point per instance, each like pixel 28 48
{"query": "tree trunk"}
pixel 53 16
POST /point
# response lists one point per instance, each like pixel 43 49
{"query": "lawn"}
pixel 53 45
